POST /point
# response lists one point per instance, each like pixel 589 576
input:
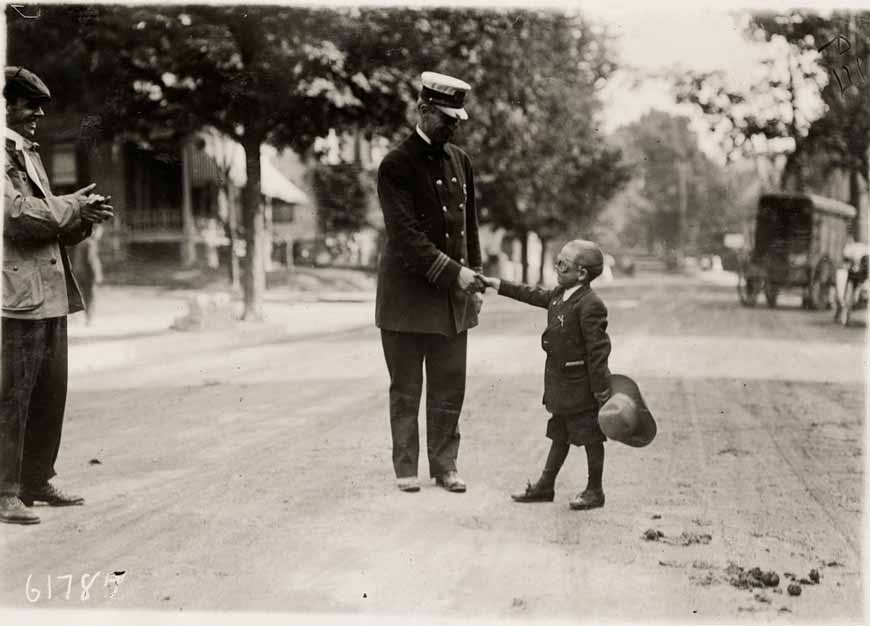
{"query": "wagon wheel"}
pixel 748 289
pixel 819 292
pixel 771 293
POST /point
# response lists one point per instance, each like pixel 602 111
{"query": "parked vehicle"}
pixel 852 284
pixel 799 240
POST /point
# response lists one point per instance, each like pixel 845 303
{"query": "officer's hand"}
pixel 478 302
pixel 489 281
pixel 467 281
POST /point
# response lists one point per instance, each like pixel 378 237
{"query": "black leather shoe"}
pixel 50 495
pixel 535 493
pixel 451 482
pixel 588 499
pixel 13 511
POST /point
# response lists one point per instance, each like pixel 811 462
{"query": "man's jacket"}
pixel 37 280
pixel 430 219
pixel 576 343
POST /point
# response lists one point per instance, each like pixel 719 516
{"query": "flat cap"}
pixel 445 92
pixel 22 83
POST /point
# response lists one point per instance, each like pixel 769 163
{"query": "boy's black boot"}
pixel 539 492
pixel 587 499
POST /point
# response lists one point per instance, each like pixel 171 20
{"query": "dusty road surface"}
pixel 259 478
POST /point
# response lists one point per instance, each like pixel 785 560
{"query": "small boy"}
pixel 576 376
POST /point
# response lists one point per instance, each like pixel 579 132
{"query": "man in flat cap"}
pixel 39 291
pixel 427 295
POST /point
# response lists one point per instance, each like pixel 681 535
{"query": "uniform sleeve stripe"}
pixel 437 267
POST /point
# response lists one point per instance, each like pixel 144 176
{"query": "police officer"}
pixel 428 295
pixel 39 291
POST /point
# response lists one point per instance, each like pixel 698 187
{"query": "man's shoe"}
pixel 13 511
pixel 409 484
pixel 588 499
pixel 50 495
pixel 535 493
pixel 451 482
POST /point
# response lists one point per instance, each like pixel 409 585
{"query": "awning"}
pixel 275 185
pixel 216 149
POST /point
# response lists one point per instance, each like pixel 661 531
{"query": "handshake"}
pixel 470 281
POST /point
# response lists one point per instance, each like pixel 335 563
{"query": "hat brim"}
pixel 645 425
pixel 459 114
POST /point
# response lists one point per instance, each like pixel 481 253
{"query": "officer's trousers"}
pixel 34 381
pixel 444 359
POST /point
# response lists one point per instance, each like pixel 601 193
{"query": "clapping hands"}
pixel 94 208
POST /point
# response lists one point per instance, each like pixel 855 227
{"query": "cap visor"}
pixel 459 114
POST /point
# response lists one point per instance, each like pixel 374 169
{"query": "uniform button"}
pixel 453 179
pixel 462 232
pixel 462 260
pixel 438 182
pixel 14 268
pixel 461 206
pixel 444 208
pixel 53 261
pixel 447 235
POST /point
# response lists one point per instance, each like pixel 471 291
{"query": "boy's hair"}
pixel 589 256
pixel 594 271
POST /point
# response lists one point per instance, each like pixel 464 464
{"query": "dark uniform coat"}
pixel 576 343
pixel 430 219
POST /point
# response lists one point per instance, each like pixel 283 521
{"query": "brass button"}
pixel 14 268
pixel 447 235
pixel 438 182
pixel 462 232
pixel 462 260
pixel 53 261
pixel 444 208
pixel 453 179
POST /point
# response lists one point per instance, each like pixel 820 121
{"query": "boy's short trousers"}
pixel 579 429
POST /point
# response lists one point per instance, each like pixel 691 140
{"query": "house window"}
pixel 63 165
pixel 282 212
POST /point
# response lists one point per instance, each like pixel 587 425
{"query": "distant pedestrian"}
pixel 88 270
pixel 576 375
pixel 428 295
pixel 39 291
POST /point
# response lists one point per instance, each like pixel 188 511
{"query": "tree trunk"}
pixel 524 253
pixel 188 244
pixel 858 227
pixel 232 227
pixel 254 275
pixel 543 259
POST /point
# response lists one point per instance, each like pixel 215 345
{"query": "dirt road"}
pixel 260 479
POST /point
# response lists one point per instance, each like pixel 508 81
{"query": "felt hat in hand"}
pixel 625 416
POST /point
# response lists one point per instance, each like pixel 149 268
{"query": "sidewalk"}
pixel 133 325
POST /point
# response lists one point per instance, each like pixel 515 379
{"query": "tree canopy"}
pixel 286 75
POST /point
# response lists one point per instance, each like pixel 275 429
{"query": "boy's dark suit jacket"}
pixel 430 219
pixel 576 344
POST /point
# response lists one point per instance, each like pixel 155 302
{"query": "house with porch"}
pixel 176 204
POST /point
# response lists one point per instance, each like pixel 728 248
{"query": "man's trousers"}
pixel 34 380
pixel 444 359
